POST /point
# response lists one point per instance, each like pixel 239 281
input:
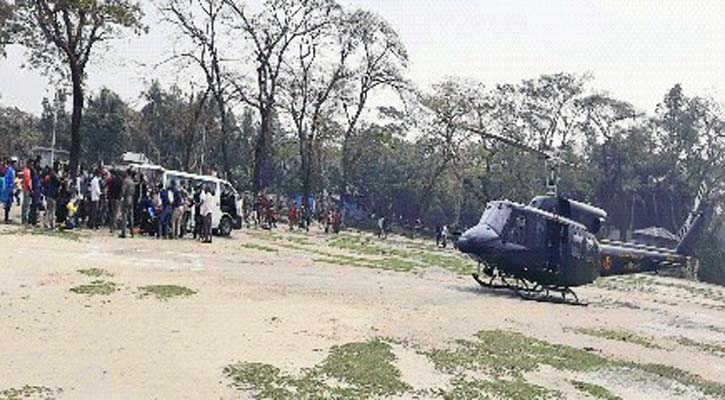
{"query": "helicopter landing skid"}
pixel 530 291
pixel 542 293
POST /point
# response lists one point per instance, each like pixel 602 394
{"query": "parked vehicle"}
pixel 227 207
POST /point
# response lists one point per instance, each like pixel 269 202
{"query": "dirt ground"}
pixel 285 300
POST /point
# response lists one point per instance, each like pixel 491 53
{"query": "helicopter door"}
pixel 557 244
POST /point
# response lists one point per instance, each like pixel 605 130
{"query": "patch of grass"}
pixel 618 335
pixel 95 272
pixel 683 377
pixel 648 284
pixel 28 392
pixel 391 264
pixel 507 355
pixel 96 288
pixel 501 353
pixel 595 391
pixel 515 389
pixel 36 231
pixel 351 371
pixel 165 292
pixel 706 347
pixel 260 247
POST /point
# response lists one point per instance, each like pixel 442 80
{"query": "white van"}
pixel 227 208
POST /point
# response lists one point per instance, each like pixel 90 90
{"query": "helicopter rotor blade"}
pixel 547 155
pixel 509 141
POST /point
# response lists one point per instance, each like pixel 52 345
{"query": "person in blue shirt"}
pixel 9 188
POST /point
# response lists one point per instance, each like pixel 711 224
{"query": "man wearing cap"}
pixel 9 187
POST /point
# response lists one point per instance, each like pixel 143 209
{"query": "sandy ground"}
pixel 286 309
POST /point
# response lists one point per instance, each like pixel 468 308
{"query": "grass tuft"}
pixel 165 292
pixel 706 347
pixel 618 335
pixel 352 371
pixel 260 247
pixel 95 272
pixel 29 392
pixel 595 391
pixel 96 288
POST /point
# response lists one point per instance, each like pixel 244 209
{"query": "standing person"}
pixel 51 186
pixel 37 193
pixel 95 197
pixel 337 222
pixel 381 228
pixel 439 232
pixel 292 216
pixel 9 187
pixel 115 193
pixel 207 200
pixel 127 209
pixel 444 236
pixel 177 211
pixel 27 188
pixel 166 198
pixel 198 218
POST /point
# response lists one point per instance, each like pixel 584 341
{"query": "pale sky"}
pixel 635 49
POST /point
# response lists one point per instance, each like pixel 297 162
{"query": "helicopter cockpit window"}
pixel 496 217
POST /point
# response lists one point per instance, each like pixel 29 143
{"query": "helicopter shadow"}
pixel 494 292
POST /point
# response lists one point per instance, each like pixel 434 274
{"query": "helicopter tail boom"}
pixel 618 258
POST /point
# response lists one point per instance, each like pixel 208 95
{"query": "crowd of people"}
pixel 120 199
pixel 125 202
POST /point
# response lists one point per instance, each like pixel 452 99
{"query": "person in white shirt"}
pixel 95 192
pixel 207 201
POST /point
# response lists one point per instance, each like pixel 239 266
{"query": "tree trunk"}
pixel 306 170
pixel 225 150
pixel 75 126
pixel 261 152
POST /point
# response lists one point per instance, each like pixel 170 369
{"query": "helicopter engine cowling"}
pixel 591 217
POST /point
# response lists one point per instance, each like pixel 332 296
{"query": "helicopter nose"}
pixel 476 239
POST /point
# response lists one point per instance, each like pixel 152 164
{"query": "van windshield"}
pixel 496 216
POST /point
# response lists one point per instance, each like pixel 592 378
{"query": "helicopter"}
pixel 550 245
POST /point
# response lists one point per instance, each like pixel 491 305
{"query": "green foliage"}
pixel 595 391
pixel 96 288
pixel 165 292
pixel 352 371
pixel 18 132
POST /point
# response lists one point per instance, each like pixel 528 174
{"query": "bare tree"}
pixel 312 80
pixel 271 32
pixel 200 21
pixel 378 61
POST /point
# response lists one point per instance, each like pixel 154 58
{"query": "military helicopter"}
pixel 550 246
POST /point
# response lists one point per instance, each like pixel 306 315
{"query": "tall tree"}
pixel 312 76
pixel 378 61
pixel 271 32
pixel 61 37
pixel 6 12
pixel 200 22
pixel 105 128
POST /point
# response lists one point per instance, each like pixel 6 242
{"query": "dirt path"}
pixel 285 300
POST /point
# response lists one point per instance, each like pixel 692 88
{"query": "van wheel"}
pixel 225 227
